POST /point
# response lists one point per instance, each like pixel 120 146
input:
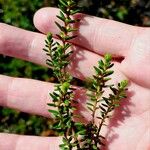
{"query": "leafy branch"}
pixel 99 105
pixel 58 58
pixel 59 53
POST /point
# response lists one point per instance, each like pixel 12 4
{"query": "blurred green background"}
pixel 20 13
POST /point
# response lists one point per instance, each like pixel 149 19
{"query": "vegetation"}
pixel 20 13
pixel 77 135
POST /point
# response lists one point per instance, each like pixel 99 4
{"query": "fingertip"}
pixel 137 72
pixel 44 19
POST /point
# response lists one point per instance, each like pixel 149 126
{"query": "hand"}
pixel 129 129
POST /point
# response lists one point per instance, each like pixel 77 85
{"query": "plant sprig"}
pixel 59 53
pixel 58 59
pixel 99 106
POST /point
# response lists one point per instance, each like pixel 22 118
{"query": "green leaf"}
pixel 61 37
pixel 122 96
pixel 62 16
pixel 99 118
pixel 73 108
pixel 46 50
pixel 114 90
pixel 116 105
pixel 72 12
pixel 59 17
pixel 72 30
pixel 98 71
pixel 123 84
pixel 54 93
pixel 79 125
pixel 107 79
pixel 108 73
pixel 51 104
pixel 49 62
pixel 81 132
pixel 67 46
pixel 70 37
pixel 54 112
pixel 104 105
pixel 108 57
pixel 67 55
pixel 102 108
pixel 61 27
pixel 49 36
pixel 69 124
pixel 94 147
pixel 55 99
pixel 63 8
pixel 64 3
pixel 101 64
pixel 110 66
pixel 90 104
pixel 67 102
pixel 70 21
pixel 65 141
pixel 57 126
pixel 62 145
pixel 65 87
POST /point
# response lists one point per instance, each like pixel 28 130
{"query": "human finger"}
pixel 22 142
pixel 137 65
pixel 32 96
pixel 26 95
pixel 100 35
pixel 22 44
pixel 28 45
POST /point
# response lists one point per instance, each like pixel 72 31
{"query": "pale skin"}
pixel 130 127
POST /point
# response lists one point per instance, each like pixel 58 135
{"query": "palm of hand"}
pixel 132 120
pixel 129 127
